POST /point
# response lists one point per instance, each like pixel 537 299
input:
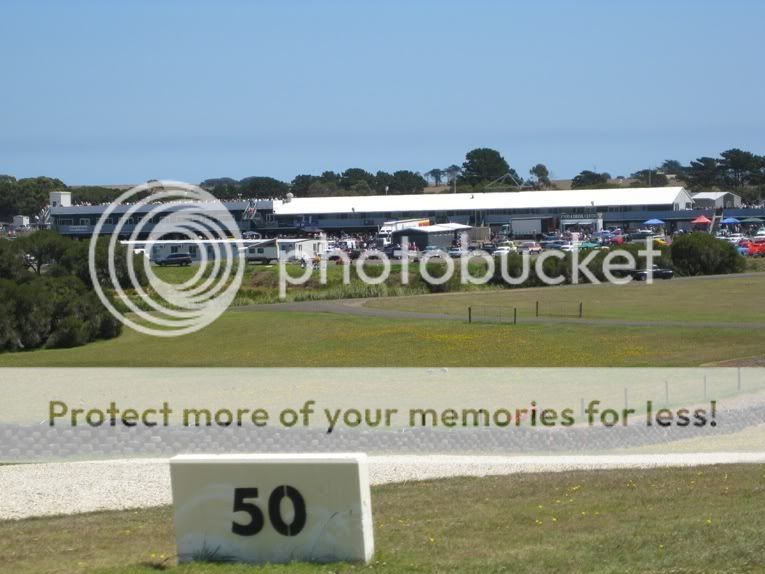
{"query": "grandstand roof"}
pixel 484 201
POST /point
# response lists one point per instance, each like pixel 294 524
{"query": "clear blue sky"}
pixel 108 92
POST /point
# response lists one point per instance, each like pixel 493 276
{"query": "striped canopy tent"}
pixel 752 220
pixel 701 220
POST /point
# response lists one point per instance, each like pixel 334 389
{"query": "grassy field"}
pixel 290 339
pixel 734 299
pixel 260 283
pixel 664 520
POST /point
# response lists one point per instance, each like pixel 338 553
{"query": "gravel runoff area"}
pixel 73 487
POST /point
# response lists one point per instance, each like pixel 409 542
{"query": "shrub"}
pixel 702 254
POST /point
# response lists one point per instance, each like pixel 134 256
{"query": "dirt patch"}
pixel 742 362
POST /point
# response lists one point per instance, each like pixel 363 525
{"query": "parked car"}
pixel 530 247
pixel 616 240
pixel 456 252
pixel 503 250
pixel 591 244
pixel 751 248
pixel 430 251
pixel 735 238
pixel 656 271
pixel 568 246
pixel 509 245
pixel 640 236
pixel 181 259
pixel 390 250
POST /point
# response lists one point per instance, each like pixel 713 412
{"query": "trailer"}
pixel 443 235
pixel 293 249
pixel 254 250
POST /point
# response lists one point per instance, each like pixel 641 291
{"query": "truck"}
pixel 388 227
pixel 522 227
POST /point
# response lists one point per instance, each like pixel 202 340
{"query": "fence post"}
pixel 580 309
pixel 537 309
pixel 470 314
pixel 515 322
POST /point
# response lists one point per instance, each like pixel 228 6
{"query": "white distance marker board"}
pixel 273 508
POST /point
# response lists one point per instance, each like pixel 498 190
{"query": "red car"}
pixel 752 249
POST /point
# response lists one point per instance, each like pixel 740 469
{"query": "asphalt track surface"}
pixel 77 487
pixel 358 307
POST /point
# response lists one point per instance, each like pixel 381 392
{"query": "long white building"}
pixel 532 210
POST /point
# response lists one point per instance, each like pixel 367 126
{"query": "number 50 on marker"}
pixel 272 508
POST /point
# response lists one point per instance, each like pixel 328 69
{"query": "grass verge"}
pixel 728 299
pixel 706 519
pixel 288 339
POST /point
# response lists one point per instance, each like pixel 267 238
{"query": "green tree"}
pixel 262 187
pixel 650 178
pixel 452 172
pixel 407 182
pixel 435 174
pixel 738 168
pixel 11 261
pixel 703 254
pixel 672 167
pixel 361 187
pixel 483 165
pixel 43 248
pixel 590 179
pixel 322 188
pixel 74 261
pixel 383 180
pixel 353 177
pixel 703 173
pixel 26 196
pixel 541 176
pixel 222 187
pixel 301 185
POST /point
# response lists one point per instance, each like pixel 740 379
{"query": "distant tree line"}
pixel 25 196
pixel 484 170
pixel 735 170
pixel 46 293
pixel 353 181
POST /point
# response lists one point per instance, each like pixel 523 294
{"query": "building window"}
pixel 84 221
